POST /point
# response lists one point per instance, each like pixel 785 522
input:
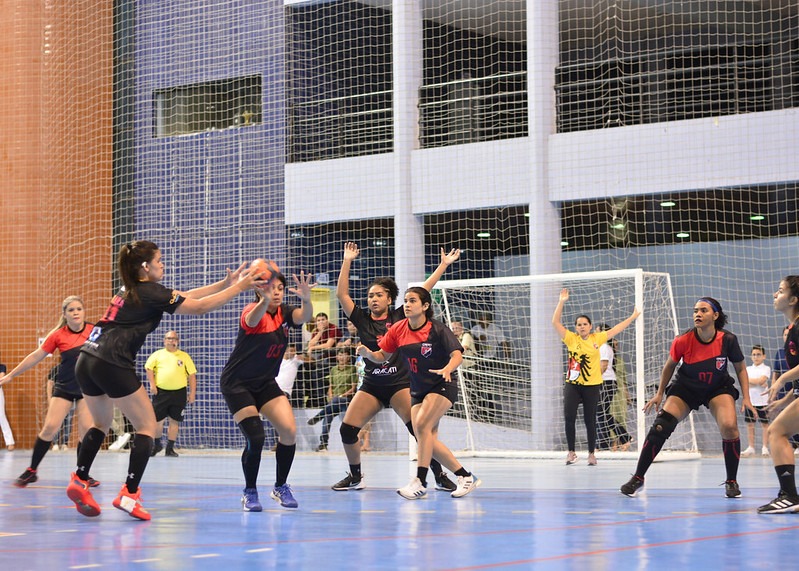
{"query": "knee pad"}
pixel 253 430
pixel 663 426
pixel 409 426
pixel 349 433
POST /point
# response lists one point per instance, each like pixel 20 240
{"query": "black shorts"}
pixel 762 415
pixel 695 398
pixel 169 403
pixel 97 378
pixel 443 388
pixel 383 393
pixel 239 395
pixel 62 394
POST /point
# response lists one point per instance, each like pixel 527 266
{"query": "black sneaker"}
pixel 349 483
pixel 92 482
pixel 157 447
pixel 783 503
pixel 632 486
pixel 444 484
pixel 314 419
pixel 731 489
pixel 28 477
pixel 322 447
pixel 171 452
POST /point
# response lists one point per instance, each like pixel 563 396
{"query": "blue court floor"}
pixel 527 514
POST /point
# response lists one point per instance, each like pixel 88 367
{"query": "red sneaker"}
pixel 78 492
pixel 131 503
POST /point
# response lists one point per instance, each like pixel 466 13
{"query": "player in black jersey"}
pixel 105 368
pixel 384 384
pixel 704 354
pixel 249 386
pixel 68 337
pixel 432 353
pixel 786 301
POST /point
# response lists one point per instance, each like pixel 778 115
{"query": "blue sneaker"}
pixel 249 500
pixel 284 497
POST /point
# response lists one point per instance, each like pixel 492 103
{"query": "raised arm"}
pixel 231 278
pixel 619 327
pixel 351 252
pixel 446 261
pixel 192 306
pixel 564 296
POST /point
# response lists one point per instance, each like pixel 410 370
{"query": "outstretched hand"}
pixel 351 251
pixel 564 295
pixel 233 276
pixel 453 256
pixel 304 286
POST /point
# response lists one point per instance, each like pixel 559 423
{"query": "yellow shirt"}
pixel 584 367
pixel 171 370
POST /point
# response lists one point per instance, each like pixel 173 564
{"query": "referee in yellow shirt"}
pixel 169 371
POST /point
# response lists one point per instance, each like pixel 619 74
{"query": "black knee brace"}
pixel 409 426
pixel 663 426
pixel 349 433
pixel 253 430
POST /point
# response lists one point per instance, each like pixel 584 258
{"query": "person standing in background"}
pixel 170 371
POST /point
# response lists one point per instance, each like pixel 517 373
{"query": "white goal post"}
pixel 511 403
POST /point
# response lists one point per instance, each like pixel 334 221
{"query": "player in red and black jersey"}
pixel 105 368
pixel 68 337
pixel 786 301
pixel 384 384
pixel 249 387
pixel 703 379
pixel 432 353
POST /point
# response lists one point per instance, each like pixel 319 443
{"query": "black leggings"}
pixel 573 395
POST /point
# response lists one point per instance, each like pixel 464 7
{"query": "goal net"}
pixel 511 388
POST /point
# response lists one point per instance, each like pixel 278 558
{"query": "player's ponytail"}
pixel 132 258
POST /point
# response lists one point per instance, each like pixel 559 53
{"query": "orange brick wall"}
pixel 55 180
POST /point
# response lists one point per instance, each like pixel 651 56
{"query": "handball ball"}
pixel 265 268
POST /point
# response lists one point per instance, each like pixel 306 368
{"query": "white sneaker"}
pixel 55 447
pixel 465 485
pixel 120 442
pixel 748 452
pixel 413 491
pixel 764 451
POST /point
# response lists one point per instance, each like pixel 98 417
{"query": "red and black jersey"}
pixel 371 331
pixel 119 335
pixel 259 350
pixel 704 365
pixel 68 343
pixel 426 348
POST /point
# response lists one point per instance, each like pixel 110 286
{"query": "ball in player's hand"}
pixel 266 269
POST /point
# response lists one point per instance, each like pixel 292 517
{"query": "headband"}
pixel 710 303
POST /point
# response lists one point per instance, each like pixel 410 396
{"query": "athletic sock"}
pixel 284 457
pixel 463 472
pixel 785 474
pixel 355 471
pixel 732 456
pixel 435 467
pixel 421 473
pixel 90 446
pixel 140 450
pixel 40 448
pixel 170 445
pixel 649 450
